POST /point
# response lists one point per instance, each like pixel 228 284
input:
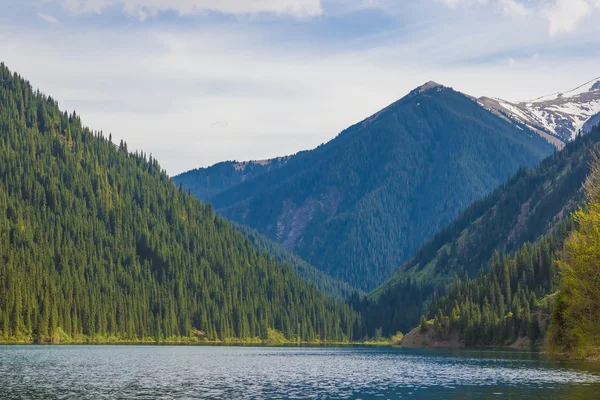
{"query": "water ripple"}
pixel 166 372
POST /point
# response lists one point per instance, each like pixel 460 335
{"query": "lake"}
pixel 203 372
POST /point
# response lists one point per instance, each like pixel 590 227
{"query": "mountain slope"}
pixel 98 243
pixel 329 286
pixel 557 116
pixel 207 182
pixel 512 302
pixel 360 205
pixel 531 205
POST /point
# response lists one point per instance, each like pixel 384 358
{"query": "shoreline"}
pixel 274 337
pixel 216 343
pixel 241 343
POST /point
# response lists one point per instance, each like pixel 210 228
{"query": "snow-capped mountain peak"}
pixel 559 116
pixel 591 86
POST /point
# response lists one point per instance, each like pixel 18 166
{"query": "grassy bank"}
pixel 274 337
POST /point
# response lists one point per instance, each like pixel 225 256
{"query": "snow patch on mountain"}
pixel 558 117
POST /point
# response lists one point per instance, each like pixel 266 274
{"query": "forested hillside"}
pixel 98 243
pixel 530 206
pixel 329 286
pixel 519 298
pixel 575 326
pixel 360 205
pixel 514 300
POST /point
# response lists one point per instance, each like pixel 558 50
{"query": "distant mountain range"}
pixel 360 205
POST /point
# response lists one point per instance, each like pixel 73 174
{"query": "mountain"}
pixel 530 206
pixel 98 244
pixel 361 204
pixel 207 182
pixel 557 117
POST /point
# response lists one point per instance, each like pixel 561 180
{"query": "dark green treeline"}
pixel 97 241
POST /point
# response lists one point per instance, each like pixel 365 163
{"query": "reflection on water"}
pixel 149 372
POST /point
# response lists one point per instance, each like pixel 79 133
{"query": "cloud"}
pixel 454 3
pixel 145 8
pixel 512 8
pixel 48 18
pixel 565 15
pixel 235 88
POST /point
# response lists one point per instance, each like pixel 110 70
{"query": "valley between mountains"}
pixel 472 219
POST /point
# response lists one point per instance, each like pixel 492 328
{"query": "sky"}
pixel 195 82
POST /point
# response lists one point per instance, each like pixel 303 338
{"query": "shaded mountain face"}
pixel 557 117
pixel 531 206
pixel 527 207
pixel 360 205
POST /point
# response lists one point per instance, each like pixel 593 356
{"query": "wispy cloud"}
pixel 252 80
pixel 454 3
pixel 562 16
pixel 565 15
pixel 145 8
pixel 48 18
pixel 512 8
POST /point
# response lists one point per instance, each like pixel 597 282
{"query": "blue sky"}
pixel 195 82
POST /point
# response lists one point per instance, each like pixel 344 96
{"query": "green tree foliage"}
pixel 576 319
pixel 360 205
pixel 331 287
pixel 423 325
pixel 97 241
pixel 511 301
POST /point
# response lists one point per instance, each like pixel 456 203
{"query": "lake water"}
pixel 171 372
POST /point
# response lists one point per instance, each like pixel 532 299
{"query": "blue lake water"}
pixel 202 372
